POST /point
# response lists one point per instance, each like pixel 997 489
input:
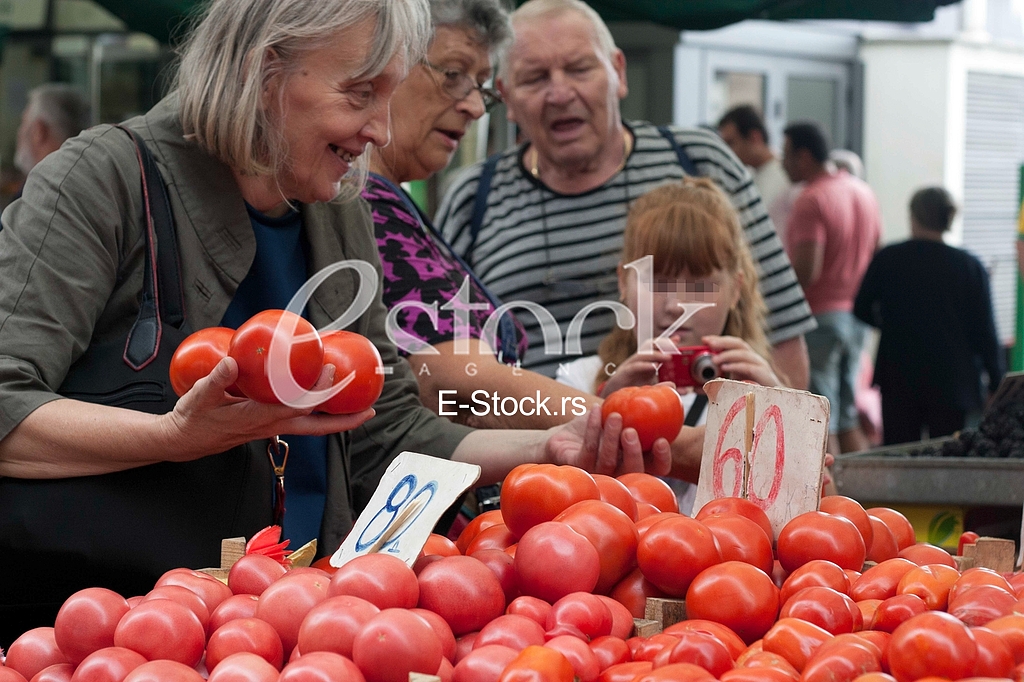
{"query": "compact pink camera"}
pixel 692 367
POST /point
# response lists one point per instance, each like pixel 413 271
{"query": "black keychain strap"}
pixel 161 273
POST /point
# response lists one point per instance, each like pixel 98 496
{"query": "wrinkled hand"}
pixel 737 360
pixel 609 450
pixel 208 420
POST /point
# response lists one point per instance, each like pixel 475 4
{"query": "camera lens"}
pixel 703 369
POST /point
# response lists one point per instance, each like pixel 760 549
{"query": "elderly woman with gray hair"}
pixel 425 282
pixel 113 256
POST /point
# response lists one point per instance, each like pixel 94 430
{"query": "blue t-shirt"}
pixel 277 272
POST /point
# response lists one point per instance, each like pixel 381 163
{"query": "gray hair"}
pixel 62 107
pixel 224 69
pixel 534 10
pixel 487 18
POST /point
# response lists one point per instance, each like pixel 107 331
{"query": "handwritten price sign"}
pixel 766 445
pixel 412 495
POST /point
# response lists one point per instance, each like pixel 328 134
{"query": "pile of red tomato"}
pixel 546 589
pixel 308 352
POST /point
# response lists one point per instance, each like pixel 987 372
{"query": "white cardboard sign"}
pixel 766 445
pixel 412 495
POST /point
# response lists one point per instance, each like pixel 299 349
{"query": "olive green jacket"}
pixel 71 262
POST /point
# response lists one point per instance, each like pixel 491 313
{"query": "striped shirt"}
pixel 561 251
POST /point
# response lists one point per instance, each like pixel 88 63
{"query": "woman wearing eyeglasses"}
pixel 431 111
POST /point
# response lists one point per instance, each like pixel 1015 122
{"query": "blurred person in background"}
pixel 743 130
pixel 543 222
pixel 832 234
pixel 430 112
pixel 933 305
pixel 54 113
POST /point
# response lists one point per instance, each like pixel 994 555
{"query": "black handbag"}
pixel 123 530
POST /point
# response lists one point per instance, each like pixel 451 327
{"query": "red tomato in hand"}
pixel 197 355
pixel 86 622
pixel 536 493
pixel 352 353
pixel 654 411
pixel 250 347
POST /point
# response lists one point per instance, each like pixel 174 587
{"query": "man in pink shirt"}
pixel 831 235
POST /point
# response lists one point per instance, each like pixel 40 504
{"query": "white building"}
pixel 932 104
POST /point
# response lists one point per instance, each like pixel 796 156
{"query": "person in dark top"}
pixel 932 304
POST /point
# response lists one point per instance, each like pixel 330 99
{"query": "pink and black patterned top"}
pixel 418 267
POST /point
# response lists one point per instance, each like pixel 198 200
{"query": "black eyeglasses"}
pixel 458 85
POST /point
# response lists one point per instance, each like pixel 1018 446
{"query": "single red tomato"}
pixel 699 648
pixel 34 650
pixel 968 537
pixel 995 659
pixel 441 629
pixel 823 606
pixel 611 532
pixel 536 493
pixel 644 524
pixel 209 589
pixel 633 591
pixel 162 629
pixel 163 671
pixel 553 560
pixel 287 601
pixel 816 572
pixel 737 595
pixel 654 411
pixel 251 635
pixel 321 666
pixel 868 607
pixel 463 645
pixel 197 355
pixel 894 611
pixel 841 662
pixel 531 607
pixel 538 664
pixel 512 631
pixel 622 619
pixel 58 672
pixel 932 643
pixel 981 604
pixel 1011 630
pixel 817 535
pixel 849 508
pixel 610 650
pixel 795 640
pixel 484 664
pixel 250 347
pixel 897 523
pixel 352 354
pixel 253 573
pixel 439 544
pixel 111 664
pixel 395 643
pixel 10 675
pixel 931 583
pixel 244 667
pixel 497 536
pixel 647 648
pixel 648 489
pixel 463 591
pixel 644 509
pixel 673 551
pixel 86 622
pixel 741 539
pixel 479 523
pixel 923 554
pixel 883 542
pixel 972 577
pixel 722 633
pixel 880 581
pixel 577 652
pixel 237 606
pixel 584 610
pixel 615 493
pixel 741 506
pixel 383 580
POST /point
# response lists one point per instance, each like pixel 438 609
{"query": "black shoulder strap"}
pixel 483 187
pixel 684 159
pixel 161 274
pixel 696 410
